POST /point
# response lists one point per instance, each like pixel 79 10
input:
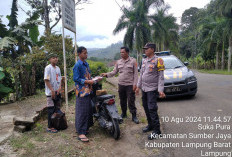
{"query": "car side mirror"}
pixel 186 63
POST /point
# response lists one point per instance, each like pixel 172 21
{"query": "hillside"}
pixel 108 52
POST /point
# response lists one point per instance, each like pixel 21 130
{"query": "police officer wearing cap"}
pixel 151 82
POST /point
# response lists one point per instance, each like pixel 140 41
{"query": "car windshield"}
pixel 172 63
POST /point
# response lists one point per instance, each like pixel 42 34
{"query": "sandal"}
pixel 81 139
pixel 52 130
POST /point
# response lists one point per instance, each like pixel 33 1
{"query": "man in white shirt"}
pixel 52 79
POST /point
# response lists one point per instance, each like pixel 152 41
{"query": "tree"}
pixel 214 36
pixel 47 8
pixel 3 89
pixel 136 22
pixel 189 19
pixel 137 25
pixel 13 22
pixel 3 29
pixel 224 9
pixel 15 47
pixel 148 3
pixel 16 50
pixel 165 29
pixel 53 44
pixel 189 22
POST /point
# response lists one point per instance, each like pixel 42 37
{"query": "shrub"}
pixel 97 68
pixel 4 91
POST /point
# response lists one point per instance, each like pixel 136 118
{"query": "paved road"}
pixel 214 99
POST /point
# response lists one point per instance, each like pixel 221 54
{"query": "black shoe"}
pixel 123 115
pixel 120 120
pixel 135 119
pixel 147 129
pixel 154 135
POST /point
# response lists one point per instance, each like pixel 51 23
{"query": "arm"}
pixel 47 75
pixel 135 75
pixel 139 84
pixel 160 66
pixel 77 76
pixel 114 72
pixel 60 78
pixel 47 82
pixel 161 81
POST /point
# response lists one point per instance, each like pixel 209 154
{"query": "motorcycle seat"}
pixel 104 97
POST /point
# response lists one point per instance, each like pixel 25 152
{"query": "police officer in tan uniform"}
pixel 127 82
pixel 151 82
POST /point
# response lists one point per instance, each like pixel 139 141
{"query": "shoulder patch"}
pixel 136 65
pixel 160 64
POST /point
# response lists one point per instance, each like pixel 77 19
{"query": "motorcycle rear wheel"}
pixel 115 132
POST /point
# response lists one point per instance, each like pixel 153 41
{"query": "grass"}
pixel 222 72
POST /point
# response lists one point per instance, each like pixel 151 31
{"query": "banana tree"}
pixel 14 47
pixel 3 89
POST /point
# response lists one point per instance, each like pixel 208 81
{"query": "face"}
pixel 53 60
pixel 124 54
pixel 83 55
pixel 149 51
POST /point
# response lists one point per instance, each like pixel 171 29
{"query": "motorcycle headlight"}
pixel 191 79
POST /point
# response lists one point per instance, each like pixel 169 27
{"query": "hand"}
pixel 137 91
pixel 162 95
pixel 134 88
pixel 103 74
pixel 99 79
pixel 58 91
pixel 53 94
pixel 90 82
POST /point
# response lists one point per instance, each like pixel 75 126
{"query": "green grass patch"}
pixel 142 119
pixel 222 72
pixel 22 143
pixel 19 143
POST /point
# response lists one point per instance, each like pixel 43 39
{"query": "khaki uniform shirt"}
pixel 152 75
pixel 128 71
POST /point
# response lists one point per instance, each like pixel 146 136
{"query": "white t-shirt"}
pixel 52 74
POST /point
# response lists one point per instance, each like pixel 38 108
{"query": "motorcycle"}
pixel 105 111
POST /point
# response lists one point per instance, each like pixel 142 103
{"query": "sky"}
pixel 95 22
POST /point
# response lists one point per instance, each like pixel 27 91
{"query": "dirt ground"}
pixel 64 143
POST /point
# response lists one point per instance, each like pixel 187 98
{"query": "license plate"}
pixel 173 89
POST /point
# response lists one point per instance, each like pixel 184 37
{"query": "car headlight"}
pixel 191 79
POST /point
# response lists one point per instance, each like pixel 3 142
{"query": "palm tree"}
pixel 215 36
pixel 136 22
pixel 224 9
pixel 149 3
pixel 165 29
pixel 218 35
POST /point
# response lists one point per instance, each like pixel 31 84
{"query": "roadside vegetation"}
pixel 203 38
